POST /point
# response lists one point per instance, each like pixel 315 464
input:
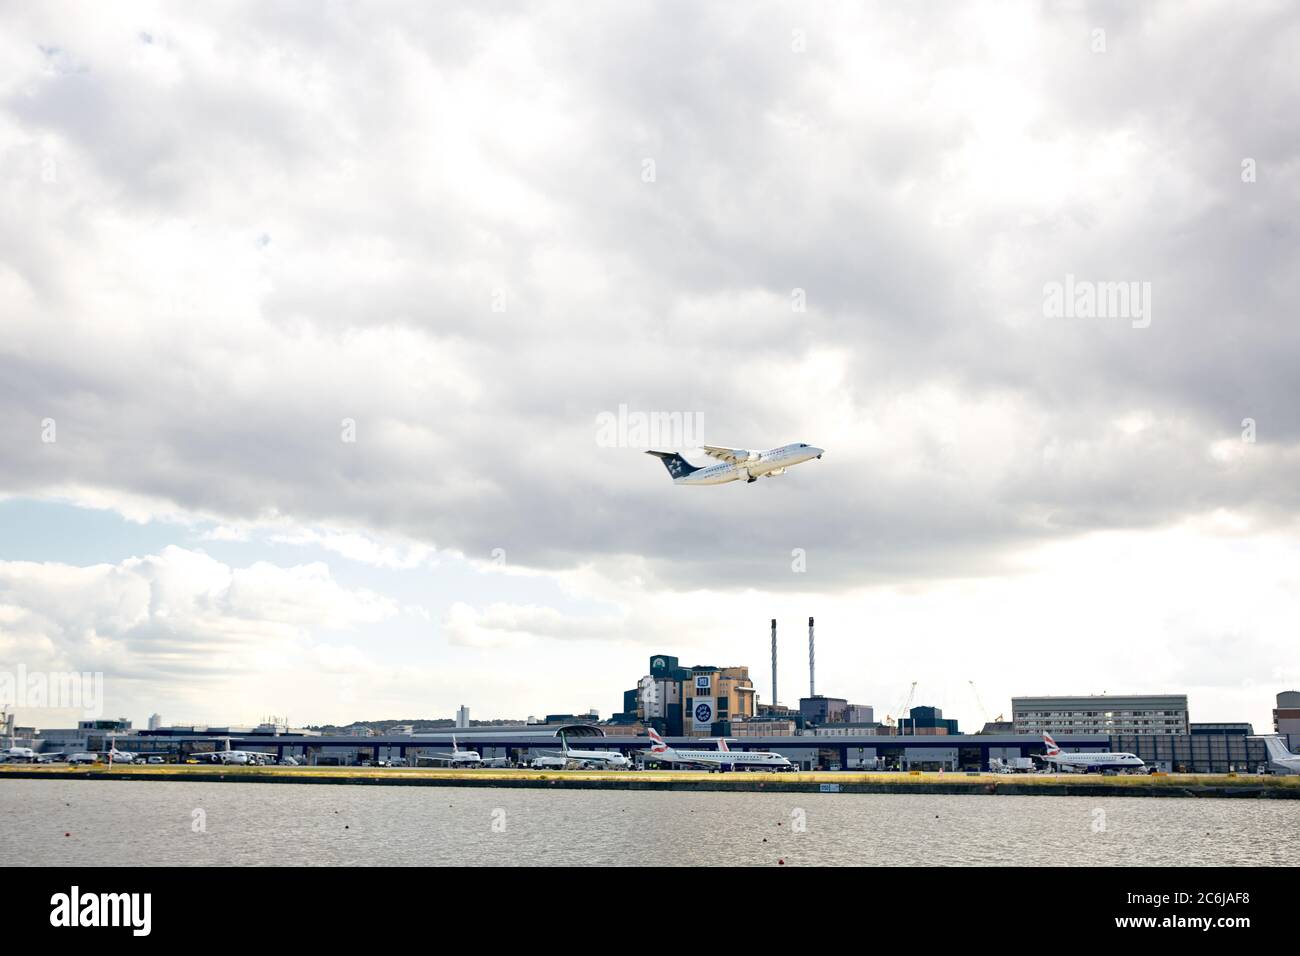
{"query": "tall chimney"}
pixel 773 662
pixel 812 662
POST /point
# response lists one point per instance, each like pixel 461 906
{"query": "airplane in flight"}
pixel 736 463
pixel 723 758
pixel 1280 760
pixel 593 758
pixel 1080 762
pixel 457 757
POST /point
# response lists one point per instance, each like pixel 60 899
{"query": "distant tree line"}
pixel 384 726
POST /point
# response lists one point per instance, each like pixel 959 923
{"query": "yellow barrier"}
pixel 901 779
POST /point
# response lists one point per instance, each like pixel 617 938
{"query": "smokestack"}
pixel 773 662
pixel 812 662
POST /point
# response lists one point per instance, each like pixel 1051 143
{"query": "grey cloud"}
pixel 367 181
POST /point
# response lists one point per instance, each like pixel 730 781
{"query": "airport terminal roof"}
pixel 520 734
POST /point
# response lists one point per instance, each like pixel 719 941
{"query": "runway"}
pixel 1156 785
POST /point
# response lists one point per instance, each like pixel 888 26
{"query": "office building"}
pixel 1135 714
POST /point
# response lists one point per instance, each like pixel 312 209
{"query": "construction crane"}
pixel 902 711
pixel 983 713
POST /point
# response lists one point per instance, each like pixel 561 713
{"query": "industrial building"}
pixel 697 701
pixel 819 710
pixel 1286 717
pixel 927 721
pixel 822 710
pixel 1102 714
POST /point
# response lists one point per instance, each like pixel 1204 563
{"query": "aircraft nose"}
pixel 817 451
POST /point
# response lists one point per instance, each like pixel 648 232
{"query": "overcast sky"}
pixel 234 238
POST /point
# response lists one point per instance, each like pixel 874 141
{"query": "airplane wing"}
pixel 732 455
pixel 698 761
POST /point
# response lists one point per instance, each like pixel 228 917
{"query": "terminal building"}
pixel 1070 716
pixel 1207 748
pixel 1221 751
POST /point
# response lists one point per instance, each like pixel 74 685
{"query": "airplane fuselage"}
pixel 457 758
pixel 771 462
pixel 1086 762
pixel 242 756
pixel 736 759
pixel 609 758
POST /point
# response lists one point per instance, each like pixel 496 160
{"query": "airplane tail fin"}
pixel 678 467
pixel 1052 748
pixel 722 745
pixel 564 743
pixel 1276 749
pixel 658 746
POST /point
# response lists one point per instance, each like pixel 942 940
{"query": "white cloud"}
pixel 359 547
pixel 513 625
pixel 179 624
pixel 222 242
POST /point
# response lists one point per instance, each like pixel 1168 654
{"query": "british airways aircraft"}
pixel 1089 762
pixel 736 463
pixel 724 758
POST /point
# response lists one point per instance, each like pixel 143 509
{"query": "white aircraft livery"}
pixel 592 758
pixel 722 759
pixel 1089 762
pixel 736 463
pixel 228 756
pixel 457 757
pixel 113 755
pixel 1280 759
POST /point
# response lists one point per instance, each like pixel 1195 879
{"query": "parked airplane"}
pixel 457 757
pixel 1088 762
pixel 18 755
pixel 548 763
pixel 593 758
pixel 721 759
pixel 113 755
pixel 1280 760
pixel 228 756
pixel 736 463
